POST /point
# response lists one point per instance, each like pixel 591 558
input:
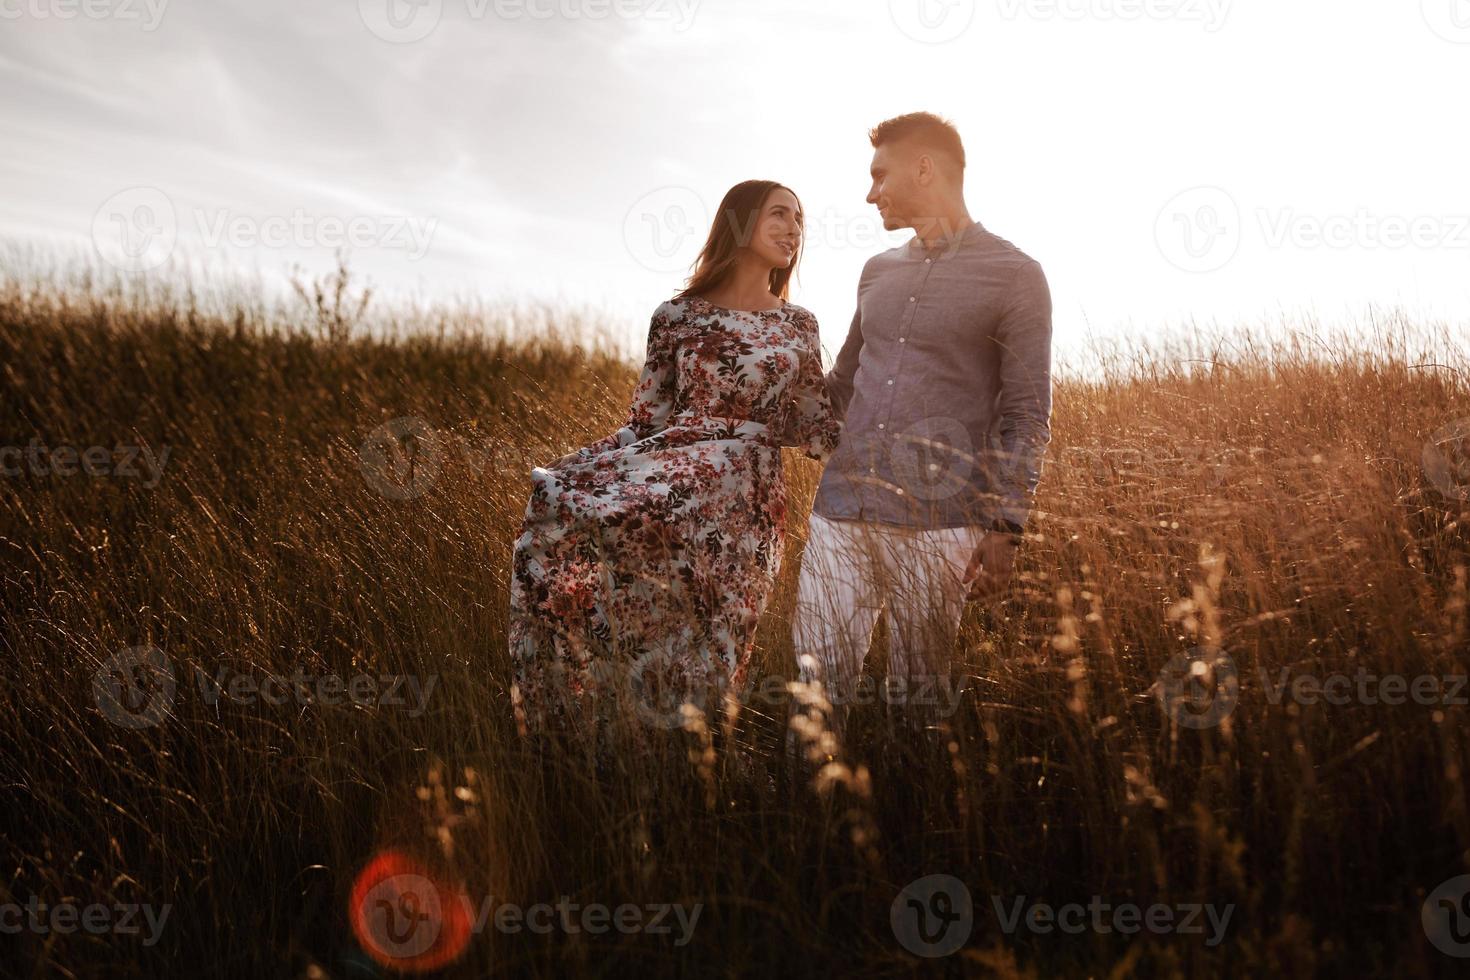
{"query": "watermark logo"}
pixel 1105 917
pixel 933 916
pixel 664 229
pixel 135 688
pixel 136 229
pixel 410 920
pixel 660 685
pixel 1362 229
pixel 1446 917
pixel 1365 688
pixel 660 688
pixel 304 229
pixel 932 21
pixel 1209 13
pixel 407 21
pixel 404 918
pixel 1446 459
pixel 128 462
pixel 1450 19
pixel 148 13
pixel 401 21
pixel 96 919
pixel 1208 464
pixel 402 458
pixel 1199 688
pixel 934 458
pixel 1199 230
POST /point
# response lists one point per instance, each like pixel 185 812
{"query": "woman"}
pixel 646 558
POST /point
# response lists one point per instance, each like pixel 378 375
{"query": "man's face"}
pixel 895 189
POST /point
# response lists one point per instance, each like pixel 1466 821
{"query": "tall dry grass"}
pixel 1263 497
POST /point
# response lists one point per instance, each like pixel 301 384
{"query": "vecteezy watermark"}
pixel 1446 917
pixel 407 21
pixel 126 462
pixel 403 458
pixel 137 229
pixel 1446 460
pixel 1199 229
pixel 96 919
pixel 1284 227
pixel 1210 465
pixel 1198 688
pixel 933 458
pixel 148 13
pixel 933 916
pixel 408 920
pixel 660 690
pixel 1103 917
pixel 1450 19
pixel 1366 688
pixel 138 688
pixel 932 21
pixel 1209 13
pixel 664 229
pixel 1202 229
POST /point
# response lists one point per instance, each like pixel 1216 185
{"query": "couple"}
pixel 646 558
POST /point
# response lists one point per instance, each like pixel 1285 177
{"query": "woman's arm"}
pixel 812 425
pixel 653 398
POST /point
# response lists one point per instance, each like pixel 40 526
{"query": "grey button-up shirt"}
pixel 944 385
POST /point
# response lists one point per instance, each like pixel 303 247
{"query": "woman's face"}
pixel 777 236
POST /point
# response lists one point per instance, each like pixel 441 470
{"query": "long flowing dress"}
pixel 649 555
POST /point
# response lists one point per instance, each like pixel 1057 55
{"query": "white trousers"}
pixel 853 570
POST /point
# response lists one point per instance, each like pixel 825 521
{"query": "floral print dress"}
pixel 648 556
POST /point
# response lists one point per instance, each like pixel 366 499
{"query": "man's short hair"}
pixel 926 130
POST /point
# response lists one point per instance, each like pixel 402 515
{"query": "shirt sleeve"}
pixel 654 395
pixel 1024 405
pixel 812 425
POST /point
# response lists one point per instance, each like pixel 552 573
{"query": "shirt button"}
pixel 899 491
pixel 880 425
pixel 913 299
pixel 890 381
pixel 927 261
pixel 872 469
pixel 902 339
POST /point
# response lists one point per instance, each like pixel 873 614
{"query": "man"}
pixel 944 383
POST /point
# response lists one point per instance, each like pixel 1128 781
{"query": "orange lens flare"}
pixel 405 917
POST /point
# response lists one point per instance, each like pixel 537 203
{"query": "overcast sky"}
pixel 1163 159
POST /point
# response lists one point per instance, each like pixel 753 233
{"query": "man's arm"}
pixel 1024 338
pixel 840 378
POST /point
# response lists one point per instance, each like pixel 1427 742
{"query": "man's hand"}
pixel 990 567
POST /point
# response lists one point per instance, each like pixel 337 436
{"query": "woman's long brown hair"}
pixel 734 225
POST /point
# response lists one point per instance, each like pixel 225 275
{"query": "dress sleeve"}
pixel 811 424
pixel 653 398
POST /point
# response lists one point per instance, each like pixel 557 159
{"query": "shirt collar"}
pixel 947 246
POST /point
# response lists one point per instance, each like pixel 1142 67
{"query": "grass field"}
pixel 1289 510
